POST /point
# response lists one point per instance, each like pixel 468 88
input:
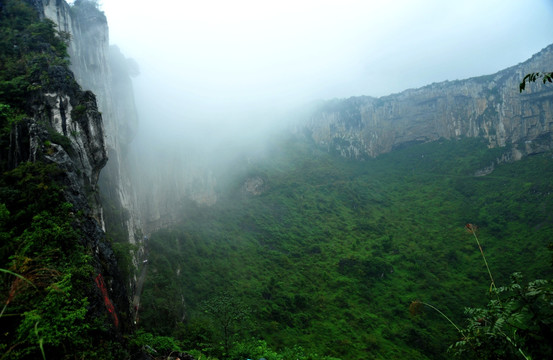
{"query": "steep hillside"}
pixel 327 253
pixel 61 288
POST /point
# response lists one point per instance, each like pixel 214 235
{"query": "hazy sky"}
pixel 207 59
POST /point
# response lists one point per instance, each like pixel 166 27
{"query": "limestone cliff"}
pixel 169 179
pixel 55 122
pixel 488 106
pixel 102 69
pixel 66 129
pixel 105 71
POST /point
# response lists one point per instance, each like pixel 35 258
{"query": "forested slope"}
pixel 304 255
pixel 328 254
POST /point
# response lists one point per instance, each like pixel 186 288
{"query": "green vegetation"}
pixel 32 53
pixel 47 291
pixel 46 288
pixel 330 255
pixel 323 264
pixel 33 60
pixel 517 324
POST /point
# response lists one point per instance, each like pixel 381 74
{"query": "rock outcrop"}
pixel 136 200
pixel 488 106
pixel 66 129
pixel 64 125
pixel 102 69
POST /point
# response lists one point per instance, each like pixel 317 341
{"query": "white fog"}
pixel 220 67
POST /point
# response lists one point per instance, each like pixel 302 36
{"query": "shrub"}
pixel 153 344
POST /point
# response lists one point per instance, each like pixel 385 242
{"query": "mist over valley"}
pixel 293 180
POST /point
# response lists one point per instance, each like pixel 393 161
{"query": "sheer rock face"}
pixel 105 71
pixel 72 139
pixel 101 69
pixel 66 127
pixel 488 106
pixel 84 129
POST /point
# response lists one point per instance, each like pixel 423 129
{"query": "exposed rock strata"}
pixel 488 106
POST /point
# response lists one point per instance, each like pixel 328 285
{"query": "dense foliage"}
pixel 46 279
pixel 32 53
pixel 321 261
pixel 332 252
pixel 516 323
pixel 46 286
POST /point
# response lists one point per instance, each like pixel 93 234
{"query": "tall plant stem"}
pixel 492 285
pixel 516 346
pixel 444 316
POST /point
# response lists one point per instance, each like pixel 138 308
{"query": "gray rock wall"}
pixel 68 128
pixel 142 188
pixel 488 106
pixel 101 69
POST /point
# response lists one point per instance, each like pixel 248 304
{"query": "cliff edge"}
pixel 489 106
